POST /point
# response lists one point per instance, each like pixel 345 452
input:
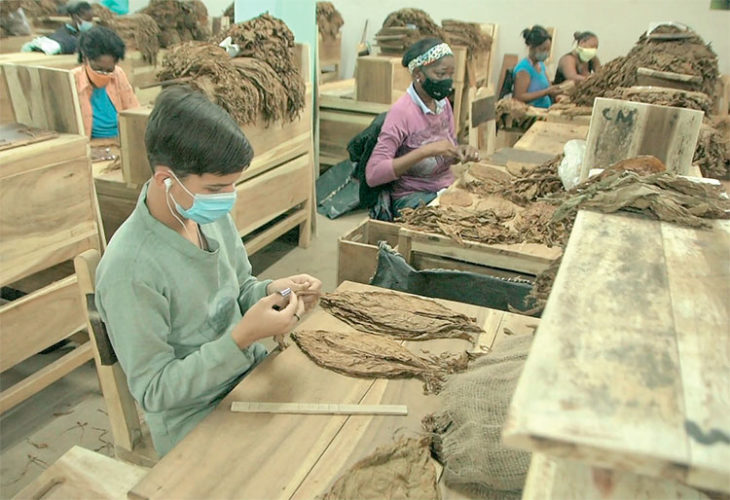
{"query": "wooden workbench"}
pixel 631 362
pixel 234 455
pixel 550 137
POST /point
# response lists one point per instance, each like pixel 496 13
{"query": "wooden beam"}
pixel 318 408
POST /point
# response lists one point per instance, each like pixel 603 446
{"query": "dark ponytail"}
pixel 535 36
pixel 582 36
pixel 420 47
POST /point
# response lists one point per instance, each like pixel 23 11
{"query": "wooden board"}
pixel 13 135
pixel 45 98
pixel 381 79
pixel 629 370
pixel 509 61
pixel 330 51
pixel 550 137
pixel 357 250
pixel 63 221
pixel 284 451
pixel 553 479
pixel 513 155
pixel 317 408
pixel 623 129
pixel 83 474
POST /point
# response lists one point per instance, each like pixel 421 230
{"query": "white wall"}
pixel 618 23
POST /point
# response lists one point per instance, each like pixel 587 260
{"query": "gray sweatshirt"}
pixel 169 308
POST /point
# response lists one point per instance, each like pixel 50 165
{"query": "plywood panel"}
pixel 550 137
pixel 623 129
pixel 381 79
pixel 629 369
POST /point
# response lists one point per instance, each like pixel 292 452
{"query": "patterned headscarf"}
pixel 430 56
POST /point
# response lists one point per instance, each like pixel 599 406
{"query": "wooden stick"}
pixel 165 83
pixel 318 408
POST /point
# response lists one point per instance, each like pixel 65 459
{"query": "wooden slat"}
pixel 39 320
pixel 550 137
pixel 39 156
pixel 260 240
pixel 381 79
pixel 44 97
pixel 45 377
pixel 63 220
pixel 629 369
pixel 316 408
pixel 82 473
pixel 552 479
pixel 132 127
pixel 357 250
pixel 269 195
pixel 623 129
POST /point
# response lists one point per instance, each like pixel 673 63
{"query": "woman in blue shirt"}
pixel 532 85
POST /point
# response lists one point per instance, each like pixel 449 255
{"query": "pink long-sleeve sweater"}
pixel 407 127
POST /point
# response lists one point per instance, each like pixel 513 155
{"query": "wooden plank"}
pixel 553 479
pixel 698 271
pixel 44 97
pixel 381 79
pixel 330 51
pixel 317 408
pixel 132 127
pixel 638 383
pixel 45 377
pixel 260 240
pixel 623 129
pixel 269 195
pixel 550 137
pixel 530 258
pixel 63 221
pixel 508 154
pixel 509 61
pixel 38 320
pixel 357 250
pixel 82 473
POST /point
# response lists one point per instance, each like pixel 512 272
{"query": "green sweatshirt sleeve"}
pixel 138 326
pixel 252 290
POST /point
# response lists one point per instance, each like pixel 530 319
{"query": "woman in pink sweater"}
pixel 417 143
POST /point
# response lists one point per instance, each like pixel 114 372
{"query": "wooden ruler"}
pixel 318 408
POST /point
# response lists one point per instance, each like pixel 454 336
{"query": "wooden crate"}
pixel 341 118
pixel 381 79
pixel 330 51
pixel 60 221
pixel 524 258
pixel 357 250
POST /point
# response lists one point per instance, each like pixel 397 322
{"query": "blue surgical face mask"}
pixel 206 208
pixel 85 26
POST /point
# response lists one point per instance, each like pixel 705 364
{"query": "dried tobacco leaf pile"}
pixel 713 148
pixel 270 40
pixel 104 14
pixel 329 20
pixel 403 28
pixel 35 9
pixel 535 183
pixel 263 79
pixel 139 32
pixel 467 432
pixel 375 356
pixel 179 20
pixel 514 115
pixel 400 471
pixel 689 56
pixel 469 35
pixel 406 317
pixel 664 97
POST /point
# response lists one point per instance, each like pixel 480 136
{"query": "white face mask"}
pixel 586 54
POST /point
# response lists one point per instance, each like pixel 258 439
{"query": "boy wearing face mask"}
pixel 64 39
pixel 532 85
pixel 582 61
pixel 174 287
pixel 417 144
pixel 102 85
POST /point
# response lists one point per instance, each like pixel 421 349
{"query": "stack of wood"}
pixel 403 28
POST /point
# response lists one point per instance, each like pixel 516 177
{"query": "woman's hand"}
pixel 265 320
pixel 443 147
pixel 307 288
pixel 554 91
pixel 468 153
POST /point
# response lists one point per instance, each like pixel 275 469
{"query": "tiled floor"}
pixel 72 412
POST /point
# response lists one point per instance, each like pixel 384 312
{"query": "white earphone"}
pixel 168 182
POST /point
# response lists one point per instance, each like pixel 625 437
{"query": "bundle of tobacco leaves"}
pixel 329 20
pixel 400 316
pixel 139 32
pixel 689 56
pixel 179 20
pixel 664 97
pixel 403 28
pixel 270 40
pixel 469 35
pixel 104 14
pixel 713 148
pixel 375 356
pixel 512 114
pixel 536 183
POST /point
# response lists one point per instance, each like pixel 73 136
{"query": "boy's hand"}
pixel 263 320
pixel 305 286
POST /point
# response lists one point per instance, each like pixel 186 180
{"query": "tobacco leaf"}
pixel 366 355
pixel 329 20
pixel 400 316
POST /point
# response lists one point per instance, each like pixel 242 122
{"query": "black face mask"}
pixel 438 89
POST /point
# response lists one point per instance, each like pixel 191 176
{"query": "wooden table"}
pixel 550 137
pixel 630 368
pixel 234 455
